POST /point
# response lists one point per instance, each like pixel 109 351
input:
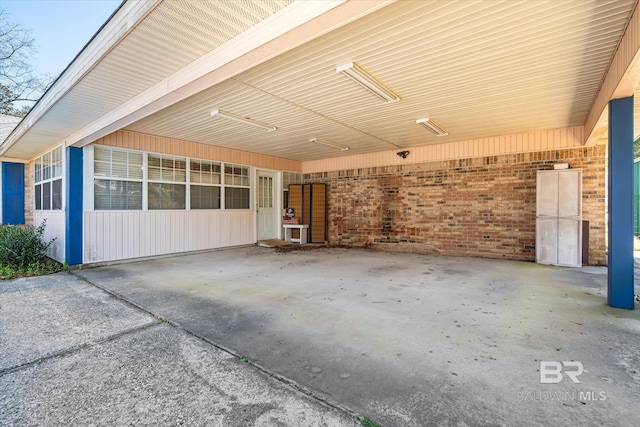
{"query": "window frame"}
pixel 237 177
pixel 241 177
pixel 114 178
pixel 54 177
pixel 199 183
pixel 164 181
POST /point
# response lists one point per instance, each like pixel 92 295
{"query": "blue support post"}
pixel 73 214
pixel 620 273
pixel 12 193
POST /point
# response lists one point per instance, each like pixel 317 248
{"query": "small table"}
pixel 303 232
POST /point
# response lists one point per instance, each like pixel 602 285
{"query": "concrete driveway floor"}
pixel 405 339
pixel 72 354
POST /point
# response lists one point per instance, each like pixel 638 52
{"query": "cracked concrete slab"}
pixel 72 354
pixel 157 376
pixel 41 316
pixel 407 339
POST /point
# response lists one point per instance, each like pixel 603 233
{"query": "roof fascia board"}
pixel 291 27
pixel 129 14
pixel 621 80
pixel 12 160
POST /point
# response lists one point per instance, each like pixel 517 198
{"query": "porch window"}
pixel 167 176
pixel 117 183
pixel 237 186
pixel 205 179
pixel 48 180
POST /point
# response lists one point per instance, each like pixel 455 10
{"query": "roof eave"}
pixel 123 20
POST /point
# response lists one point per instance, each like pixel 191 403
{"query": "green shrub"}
pixel 22 247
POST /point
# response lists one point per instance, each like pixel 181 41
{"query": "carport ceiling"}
pixel 478 69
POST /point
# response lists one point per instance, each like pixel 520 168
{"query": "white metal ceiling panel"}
pixel 173 35
pixel 477 68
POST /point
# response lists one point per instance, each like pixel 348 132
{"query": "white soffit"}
pixel 603 137
pixel 171 35
pixel 293 26
pixel 477 68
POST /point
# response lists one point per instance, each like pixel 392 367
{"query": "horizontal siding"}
pixel 511 144
pixel 117 235
pixel 54 229
pixel 157 144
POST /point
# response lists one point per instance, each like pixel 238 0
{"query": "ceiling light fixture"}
pixel 428 124
pixel 241 119
pixel 329 144
pixel 357 74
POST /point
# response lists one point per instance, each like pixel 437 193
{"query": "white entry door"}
pixel 267 206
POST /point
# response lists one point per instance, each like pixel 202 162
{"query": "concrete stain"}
pixel 489 322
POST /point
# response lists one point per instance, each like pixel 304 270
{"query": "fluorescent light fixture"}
pixel 241 119
pixel 329 144
pixel 357 74
pixel 428 124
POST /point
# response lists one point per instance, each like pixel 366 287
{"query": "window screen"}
pixel 205 177
pixel 237 187
pixel 166 196
pixel 167 177
pixel 117 183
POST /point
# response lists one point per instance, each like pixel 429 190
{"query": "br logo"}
pixel 552 372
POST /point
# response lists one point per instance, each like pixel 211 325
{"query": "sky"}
pixel 60 28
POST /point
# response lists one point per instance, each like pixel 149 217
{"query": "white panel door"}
pixel 547 240
pixel 570 193
pixel 267 206
pixel 547 194
pixel 569 242
pixel 570 217
pixel 559 217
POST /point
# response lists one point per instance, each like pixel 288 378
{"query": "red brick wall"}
pixel 483 207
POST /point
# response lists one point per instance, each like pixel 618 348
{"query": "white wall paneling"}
pixel 55 229
pixel 117 235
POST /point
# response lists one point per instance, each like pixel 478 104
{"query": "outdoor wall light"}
pixel 241 119
pixel 361 77
pixel 329 144
pixel 431 126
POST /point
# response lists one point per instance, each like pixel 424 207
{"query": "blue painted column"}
pixel 620 273
pixel 12 193
pixel 73 219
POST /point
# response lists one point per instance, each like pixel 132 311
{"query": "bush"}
pixel 22 247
